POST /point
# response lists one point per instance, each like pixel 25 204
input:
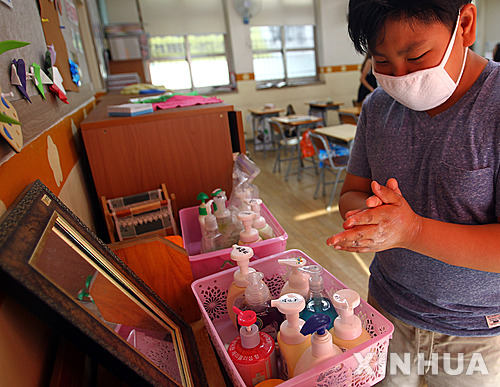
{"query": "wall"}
pixel 53 152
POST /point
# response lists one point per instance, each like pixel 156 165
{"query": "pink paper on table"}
pixel 185 100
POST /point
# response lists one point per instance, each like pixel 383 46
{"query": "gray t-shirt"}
pixel 448 168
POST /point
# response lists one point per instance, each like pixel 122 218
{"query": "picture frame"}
pixel 56 267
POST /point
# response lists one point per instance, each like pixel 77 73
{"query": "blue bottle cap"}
pixel 318 323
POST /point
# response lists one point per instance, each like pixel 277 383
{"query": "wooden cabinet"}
pixel 189 149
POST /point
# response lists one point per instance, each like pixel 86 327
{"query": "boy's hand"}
pixel 388 222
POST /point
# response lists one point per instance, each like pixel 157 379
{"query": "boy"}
pixel 431 135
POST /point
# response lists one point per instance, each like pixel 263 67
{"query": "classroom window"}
pixel 189 62
pixel 283 55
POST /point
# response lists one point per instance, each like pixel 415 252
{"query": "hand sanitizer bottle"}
pixel 298 281
pixel 317 301
pixel 241 255
pixel 228 224
pixel 265 230
pixel 211 239
pixel 291 342
pixel 258 298
pixel 322 347
pixel 252 352
pixel 347 330
pixel 202 210
pixel 249 234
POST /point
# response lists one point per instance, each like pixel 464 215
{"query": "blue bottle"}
pixel 317 301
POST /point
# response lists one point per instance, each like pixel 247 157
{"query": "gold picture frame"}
pixel 55 266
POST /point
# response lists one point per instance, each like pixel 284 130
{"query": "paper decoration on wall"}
pixel 8 2
pixel 53 35
pixel 10 127
pixel 18 76
pixel 7 45
pixel 39 78
pixel 75 73
pixel 56 87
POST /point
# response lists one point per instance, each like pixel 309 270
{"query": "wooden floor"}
pixel 306 220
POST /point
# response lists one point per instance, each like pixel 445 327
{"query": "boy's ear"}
pixel 468 18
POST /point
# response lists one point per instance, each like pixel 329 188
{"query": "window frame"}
pixel 188 57
pixel 286 81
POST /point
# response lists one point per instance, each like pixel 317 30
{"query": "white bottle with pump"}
pixel 241 255
pixel 222 214
pixel 298 281
pixel 211 240
pixel 347 331
pixel 228 225
pixel 265 230
pixel 322 347
pixel 291 342
pixel 249 234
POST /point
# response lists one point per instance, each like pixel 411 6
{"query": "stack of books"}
pixel 130 109
pixel 119 81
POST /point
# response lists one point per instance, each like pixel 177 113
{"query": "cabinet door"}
pixel 190 154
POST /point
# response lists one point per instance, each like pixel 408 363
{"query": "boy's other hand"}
pixel 388 222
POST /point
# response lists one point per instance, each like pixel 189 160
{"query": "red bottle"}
pixel 252 352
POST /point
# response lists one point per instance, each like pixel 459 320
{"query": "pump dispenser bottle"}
pixel 317 301
pixel 257 297
pixel 241 255
pixel 291 342
pixel 298 281
pixel 249 234
pixel 347 330
pixel 228 225
pixel 202 210
pixel 322 347
pixel 211 240
pixel 265 230
pixel 252 352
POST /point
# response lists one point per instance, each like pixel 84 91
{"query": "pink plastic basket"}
pixel 362 366
pixel 215 261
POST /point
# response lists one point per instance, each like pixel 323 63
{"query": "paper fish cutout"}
pixel 18 77
pixel 39 78
pixel 7 45
pixel 10 127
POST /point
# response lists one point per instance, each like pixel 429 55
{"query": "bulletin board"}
pixel 42 22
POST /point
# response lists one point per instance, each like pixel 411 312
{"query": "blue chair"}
pixel 329 162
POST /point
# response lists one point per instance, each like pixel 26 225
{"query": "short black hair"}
pixel 367 17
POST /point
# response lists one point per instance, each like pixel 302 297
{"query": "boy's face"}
pixel 402 48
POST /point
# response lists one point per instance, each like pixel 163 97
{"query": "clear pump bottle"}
pixel 257 297
pixel 298 281
pixel 241 255
pixel 317 301
pixel 347 331
pixel 211 240
pixel 229 226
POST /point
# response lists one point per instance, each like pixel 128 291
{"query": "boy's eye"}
pixel 418 57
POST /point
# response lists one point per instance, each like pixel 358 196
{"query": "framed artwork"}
pixel 56 267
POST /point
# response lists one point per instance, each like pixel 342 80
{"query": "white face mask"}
pixel 424 89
